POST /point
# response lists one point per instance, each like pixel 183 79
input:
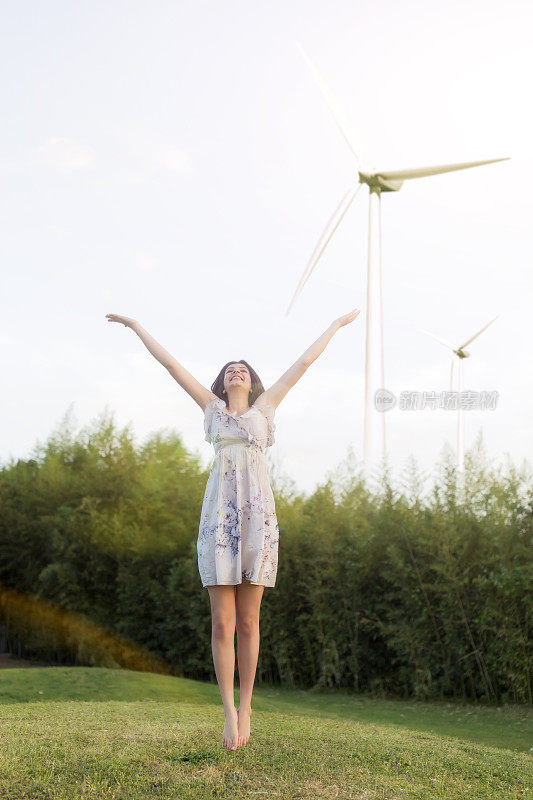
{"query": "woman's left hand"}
pixel 347 318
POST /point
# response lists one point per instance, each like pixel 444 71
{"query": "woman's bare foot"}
pixel 231 730
pixel 244 725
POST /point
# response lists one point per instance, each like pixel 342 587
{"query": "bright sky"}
pixel 176 163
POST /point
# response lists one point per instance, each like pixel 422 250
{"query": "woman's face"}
pixel 237 381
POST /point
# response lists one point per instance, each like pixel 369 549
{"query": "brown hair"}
pixel 257 387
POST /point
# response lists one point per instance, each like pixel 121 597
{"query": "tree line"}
pixel 389 588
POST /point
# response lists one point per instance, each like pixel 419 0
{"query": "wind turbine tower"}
pixel 378 181
pixel 461 354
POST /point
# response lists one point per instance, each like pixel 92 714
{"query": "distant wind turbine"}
pixel 461 353
pixel 377 182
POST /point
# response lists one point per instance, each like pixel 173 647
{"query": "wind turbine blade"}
pixel 477 334
pixel 451 377
pixel 424 172
pixel 326 235
pixel 438 339
pixel 338 114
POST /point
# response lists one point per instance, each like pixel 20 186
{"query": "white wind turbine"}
pixel 461 353
pixel 377 182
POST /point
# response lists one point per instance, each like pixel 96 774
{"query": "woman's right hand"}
pixel 127 321
pixel 347 318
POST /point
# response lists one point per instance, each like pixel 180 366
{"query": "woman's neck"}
pixel 237 411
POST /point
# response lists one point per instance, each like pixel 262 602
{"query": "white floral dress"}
pixel 238 534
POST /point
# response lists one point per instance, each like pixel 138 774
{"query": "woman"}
pixel 238 533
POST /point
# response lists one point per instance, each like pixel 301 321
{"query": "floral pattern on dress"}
pixel 238 534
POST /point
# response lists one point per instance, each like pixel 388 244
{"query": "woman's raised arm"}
pixel 275 394
pixel 199 393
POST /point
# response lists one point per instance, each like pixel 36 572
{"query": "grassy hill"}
pixel 100 733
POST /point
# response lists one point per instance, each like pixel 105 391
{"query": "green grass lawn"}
pixel 77 732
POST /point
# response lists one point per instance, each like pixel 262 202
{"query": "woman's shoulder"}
pixel 214 401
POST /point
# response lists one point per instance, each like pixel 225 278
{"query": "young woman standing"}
pixel 238 534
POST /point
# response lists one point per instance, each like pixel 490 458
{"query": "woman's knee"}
pixel 222 611
pixel 223 627
pixel 247 624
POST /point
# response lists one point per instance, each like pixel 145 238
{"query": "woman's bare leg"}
pixel 223 646
pixel 248 605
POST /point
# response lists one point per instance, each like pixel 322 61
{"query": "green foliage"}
pixel 393 590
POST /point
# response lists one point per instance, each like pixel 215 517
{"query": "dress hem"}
pixel 266 585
